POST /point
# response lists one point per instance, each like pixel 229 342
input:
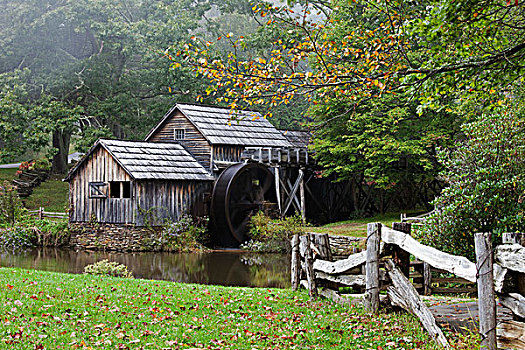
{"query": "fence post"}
pixel 40 213
pixel 296 263
pixel 485 280
pixel 310 274
pixel 427 279
pixel 401 257
pixel 372 267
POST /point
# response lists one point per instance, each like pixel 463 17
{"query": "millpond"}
pixel 222 267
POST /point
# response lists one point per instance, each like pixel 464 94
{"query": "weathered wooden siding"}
pixel 100 167
pixel 161 200
pixel 194 141
pixel 224 153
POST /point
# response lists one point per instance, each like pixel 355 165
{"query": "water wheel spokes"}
pixel 239 193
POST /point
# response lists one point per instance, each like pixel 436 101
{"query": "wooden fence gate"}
pixel 385 265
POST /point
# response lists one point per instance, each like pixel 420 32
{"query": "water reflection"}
pixel 229 268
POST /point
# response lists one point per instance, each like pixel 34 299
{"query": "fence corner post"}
pixel 486 300
pixel 372 267
pixel 40 213
pixel 401 257
pixel 310 274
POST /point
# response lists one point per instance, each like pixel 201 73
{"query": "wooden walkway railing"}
pixel 385 265
pixel 41 214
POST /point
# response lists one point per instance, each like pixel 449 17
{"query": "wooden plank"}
pixel 372 267
pixel 453 290
pixel 340 266
pixel 511 256
pixel 346 280
pixel 458 265
pixel 335 297
pixel 296 263
pixel 404 295
pixel 515 302
pixel 486 300
pixel 511 335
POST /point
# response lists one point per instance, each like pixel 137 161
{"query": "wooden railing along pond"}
pixel 386 266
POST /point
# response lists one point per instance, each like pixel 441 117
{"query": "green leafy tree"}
pixel 486 177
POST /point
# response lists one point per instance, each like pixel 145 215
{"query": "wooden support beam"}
pixel 293 192
pixel 486 298
pixel 404 295
pixel 277 177
pixel 296 263
pixel 301 195
pixel 372 267
pixel 296 202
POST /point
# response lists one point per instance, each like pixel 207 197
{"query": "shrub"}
pixel 104 267
pixel 268 235
pixel 11 208
pixel 184 235
pixel 40 164
pixel 16 238
pixel 486 178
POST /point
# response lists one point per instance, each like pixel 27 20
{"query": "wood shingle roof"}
pixel 222 127
pixel 151 161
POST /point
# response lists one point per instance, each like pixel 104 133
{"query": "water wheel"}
pixel 240 192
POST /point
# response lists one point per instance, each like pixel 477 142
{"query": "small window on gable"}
pixel 120 189
pixel 180 134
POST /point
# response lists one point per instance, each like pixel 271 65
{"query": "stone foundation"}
pixel 343 246
pixel 114 237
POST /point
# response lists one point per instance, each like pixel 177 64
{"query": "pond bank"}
pixel 222 267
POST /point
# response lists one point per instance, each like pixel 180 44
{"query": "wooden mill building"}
pixel 129 185
pixel 139 183
pixel 214 136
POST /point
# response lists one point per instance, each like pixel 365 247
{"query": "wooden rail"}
pixel 41 214
pixel 385 265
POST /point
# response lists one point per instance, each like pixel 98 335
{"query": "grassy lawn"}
pixel 356 227
pixel 7 175
pixel 43 310
pixel 52 195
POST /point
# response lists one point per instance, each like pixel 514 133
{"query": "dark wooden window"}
pixel 120 189
pixel 126 189
pixel 114 189
pixel 97 190
pixel 180 134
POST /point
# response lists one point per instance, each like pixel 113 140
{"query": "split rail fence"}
pixel 41 214
pixel 386 266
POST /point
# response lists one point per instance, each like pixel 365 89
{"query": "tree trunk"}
pixel 61 140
